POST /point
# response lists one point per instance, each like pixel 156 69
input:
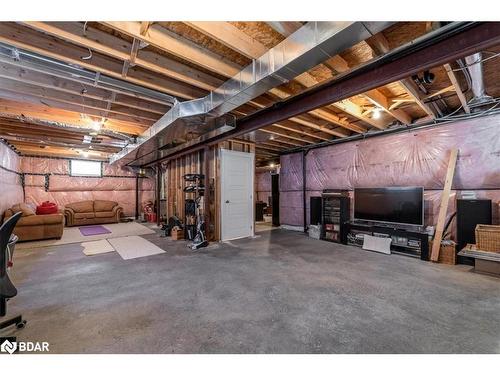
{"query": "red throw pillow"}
pixel 46 208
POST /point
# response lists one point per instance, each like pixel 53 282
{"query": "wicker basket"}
pixel 488 237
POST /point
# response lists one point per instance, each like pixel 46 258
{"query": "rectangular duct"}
pixel 197 120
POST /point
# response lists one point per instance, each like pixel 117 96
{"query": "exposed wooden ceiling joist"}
pixel 189 51
pixel 75 87
pixel 283 138
pixel 120 49
pixel 340 65
pixel 78 102
pixel 289 134
pixel 232 37
pixel 58 151
pixel 178 46
pixel 380 45
pixel 293 128
pixel 56 104
pixel 454 80
pixel 31 40
pixel 14 109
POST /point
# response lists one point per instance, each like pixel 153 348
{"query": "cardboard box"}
pixel 177 234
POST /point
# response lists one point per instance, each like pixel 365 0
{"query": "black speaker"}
pixel 470 212
pixel 315 211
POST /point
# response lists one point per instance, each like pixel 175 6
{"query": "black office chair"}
pixel 7 289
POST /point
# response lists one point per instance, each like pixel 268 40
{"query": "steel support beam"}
pixel 446 44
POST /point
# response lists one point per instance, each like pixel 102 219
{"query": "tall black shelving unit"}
pixel 334 216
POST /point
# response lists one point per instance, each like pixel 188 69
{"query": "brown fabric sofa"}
pixel 35 227
pixel 92 212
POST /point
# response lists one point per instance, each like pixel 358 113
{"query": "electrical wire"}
pixel 477 62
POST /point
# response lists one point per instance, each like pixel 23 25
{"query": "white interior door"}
pixel 237 214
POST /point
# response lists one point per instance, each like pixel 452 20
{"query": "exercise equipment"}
pixel 7 289
pixel 194 223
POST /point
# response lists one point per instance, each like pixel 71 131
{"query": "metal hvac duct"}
pixel 194 121
pixel 475 67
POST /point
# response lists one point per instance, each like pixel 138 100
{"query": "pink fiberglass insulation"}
pixel 11 190
pixel 117 184
pixel 417 158
pixel 263 186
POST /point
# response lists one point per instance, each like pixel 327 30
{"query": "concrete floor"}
pixel 280 292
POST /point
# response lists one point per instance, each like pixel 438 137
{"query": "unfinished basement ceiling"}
pixel 186 60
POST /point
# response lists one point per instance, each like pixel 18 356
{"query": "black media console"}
pixel 407 242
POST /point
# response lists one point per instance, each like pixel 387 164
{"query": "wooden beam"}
pixel 14 109
pixel 380 45
pixel 418 97
pixel 443 208
pixel 338 132
pixel 339 65
pixel 81 102
pixel 46 142
pixel 231 36
pixel 267 149
pixel 285 133
pixel 57 151
pixel 144 27
pixel 309 121
pixel 178 46
pixel 279 137
pixel 454 80
pixel 439 92
pixel 120 49
pixel 185 49
pixel 274 144
pixel 292 128
pixel 28 39
pixel 59 128
pixel 57 104
pixel 75 87
pixel 381 101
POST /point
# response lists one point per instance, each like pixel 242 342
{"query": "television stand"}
pixel 408 242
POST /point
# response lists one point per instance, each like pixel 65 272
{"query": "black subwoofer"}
pixel 470 212
pixel 315 211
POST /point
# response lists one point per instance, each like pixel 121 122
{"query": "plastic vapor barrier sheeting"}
pixel 117 184
pixel 413 158
pixel 263 186
pixel 11 190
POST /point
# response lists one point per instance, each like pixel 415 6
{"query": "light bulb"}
pixel 376 113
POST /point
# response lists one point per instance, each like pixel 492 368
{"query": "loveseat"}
pixel 35 227
pixel 92 212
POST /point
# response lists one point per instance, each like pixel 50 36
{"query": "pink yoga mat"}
pixel 93 230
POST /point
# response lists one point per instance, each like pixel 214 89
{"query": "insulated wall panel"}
pixel 117 184
pixel 11 191
pixel 417 158
pixel 263 186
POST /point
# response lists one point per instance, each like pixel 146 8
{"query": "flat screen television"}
pixel 398 205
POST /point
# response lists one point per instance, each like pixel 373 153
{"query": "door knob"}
pixel 227 201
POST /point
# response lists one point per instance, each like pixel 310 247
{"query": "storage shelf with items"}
pixel 335 215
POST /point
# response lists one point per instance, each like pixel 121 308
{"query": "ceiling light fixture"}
pixel 376 113
pixel 272 165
